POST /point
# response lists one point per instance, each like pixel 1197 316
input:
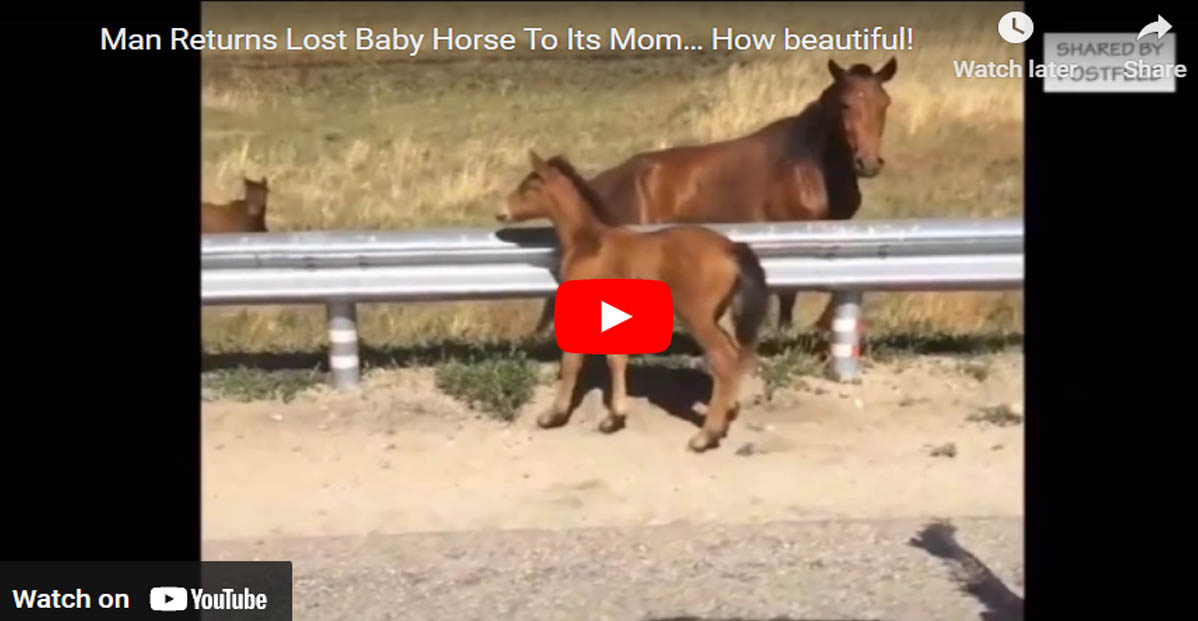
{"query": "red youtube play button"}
pixel 613 316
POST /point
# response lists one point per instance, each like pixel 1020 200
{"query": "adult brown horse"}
pixel 244 215
pixel 711 279
pixel 803 167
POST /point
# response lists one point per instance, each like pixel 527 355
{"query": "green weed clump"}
pixel 496 385
pixel 779 370
pixel 250 384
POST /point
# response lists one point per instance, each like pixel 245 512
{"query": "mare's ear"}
pixel 887 71
pixel 535 160
pixel 835 70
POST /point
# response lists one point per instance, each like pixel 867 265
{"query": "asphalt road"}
pixel 841 570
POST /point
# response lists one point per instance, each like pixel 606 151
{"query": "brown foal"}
pixel 712 280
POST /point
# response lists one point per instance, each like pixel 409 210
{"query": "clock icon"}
pixel 1015 27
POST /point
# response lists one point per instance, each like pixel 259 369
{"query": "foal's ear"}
pixel 887 71
pixel 835 70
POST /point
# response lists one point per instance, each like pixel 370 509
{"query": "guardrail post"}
pixel 846 336
pixel 343 344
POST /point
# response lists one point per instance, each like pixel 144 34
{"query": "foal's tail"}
pixel 750 295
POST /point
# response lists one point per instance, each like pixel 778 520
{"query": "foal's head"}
pixel 255 196
pixel 862 100
pixel 550 184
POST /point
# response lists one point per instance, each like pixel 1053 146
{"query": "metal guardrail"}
pixel 339 269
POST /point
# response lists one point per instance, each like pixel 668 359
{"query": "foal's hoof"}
pixel 611 424
pixel 702 442
pixel 549 420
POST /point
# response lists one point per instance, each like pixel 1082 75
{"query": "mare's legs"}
pixel 618 412
pixel 824 323
pixel 786 309
pixel 546 316
pixel 786 303
pixel 560 414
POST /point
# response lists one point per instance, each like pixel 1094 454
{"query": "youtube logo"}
pixel 613 316
pixel 168 599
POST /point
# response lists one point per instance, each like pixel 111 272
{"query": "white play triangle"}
pixel 610 316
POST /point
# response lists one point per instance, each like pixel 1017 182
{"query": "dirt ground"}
pixel 398 456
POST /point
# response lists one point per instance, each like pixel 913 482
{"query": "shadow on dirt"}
pixel 675 389
pixel 976 579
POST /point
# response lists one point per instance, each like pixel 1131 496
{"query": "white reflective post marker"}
pixel 343 344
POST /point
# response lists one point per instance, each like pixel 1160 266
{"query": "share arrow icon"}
pixel 1160 27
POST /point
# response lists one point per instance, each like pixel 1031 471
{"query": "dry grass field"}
pixel 386 141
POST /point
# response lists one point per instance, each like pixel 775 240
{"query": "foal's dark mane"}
pixel 594 203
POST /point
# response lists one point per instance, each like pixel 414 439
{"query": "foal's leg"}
pixel 560 414
pixel 618 365
pixel 724 361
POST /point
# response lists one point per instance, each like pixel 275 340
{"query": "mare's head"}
pixel 255 196
pixel 863 101
pixel 551 184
